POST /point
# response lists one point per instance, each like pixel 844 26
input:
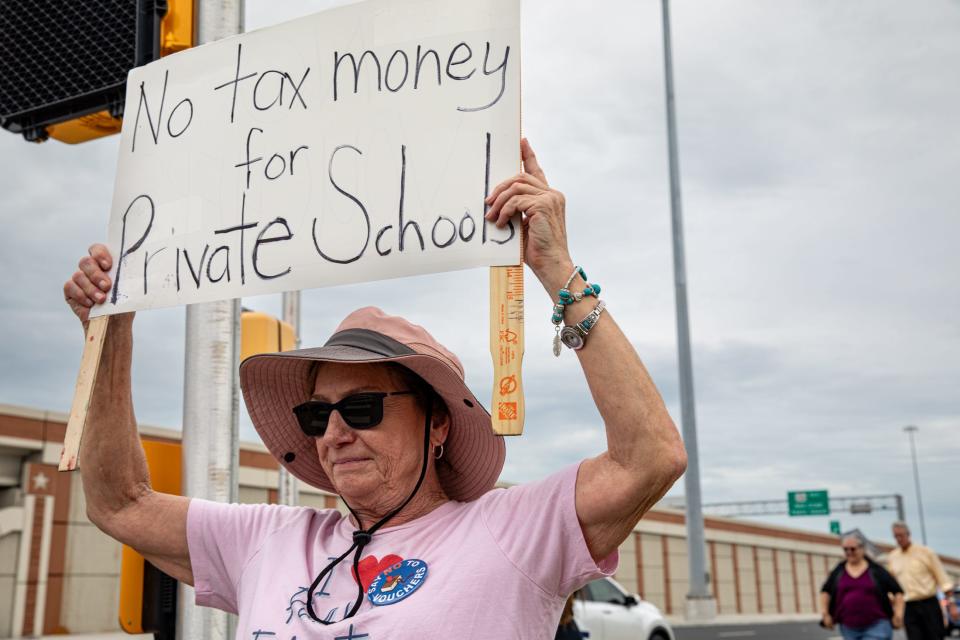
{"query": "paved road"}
pixel 779 631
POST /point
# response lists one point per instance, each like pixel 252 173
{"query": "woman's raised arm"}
pixel 116 483
pixel 645 454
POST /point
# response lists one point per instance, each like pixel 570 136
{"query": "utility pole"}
pixel 911 430
pixel 288 492
pixel 700 604
pixel 210 438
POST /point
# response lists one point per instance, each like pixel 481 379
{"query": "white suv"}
pixel 605 611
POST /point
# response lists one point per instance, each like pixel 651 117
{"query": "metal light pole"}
pixel 700 604
pixel 210 438
pixel 288 492
pixel 911 430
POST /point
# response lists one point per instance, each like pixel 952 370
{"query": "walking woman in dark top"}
pixel 568 629
pixel 861 597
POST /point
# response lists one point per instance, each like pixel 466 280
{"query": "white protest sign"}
pixel 352 145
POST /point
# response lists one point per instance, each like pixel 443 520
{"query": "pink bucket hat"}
pixel 274 383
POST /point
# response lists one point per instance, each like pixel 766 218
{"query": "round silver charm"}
pixel 571 337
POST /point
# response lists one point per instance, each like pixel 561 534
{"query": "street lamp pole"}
pixel 911 430
pixel 700 604
pixel 210 398
pixel 288 490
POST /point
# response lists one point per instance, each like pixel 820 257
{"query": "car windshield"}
pixel 603 591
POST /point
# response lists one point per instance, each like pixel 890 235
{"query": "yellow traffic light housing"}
pixel 148 597
pixel 264 333
pixel 176 29
pixel 89 127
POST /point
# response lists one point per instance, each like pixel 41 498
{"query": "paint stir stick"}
pixel 86 379
pixel 506 349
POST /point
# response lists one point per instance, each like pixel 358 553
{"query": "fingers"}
pixel 101 254
pixel 96 277
pixel 516 188
pixel 75 295
pixel 521 192
pixel 520 177
pixel 90 292
pixel 513 206
pixel 91 269
pixel 533 175
pixel 90 284
pixel 530 163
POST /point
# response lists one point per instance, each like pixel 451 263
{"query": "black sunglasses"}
pixel 359 411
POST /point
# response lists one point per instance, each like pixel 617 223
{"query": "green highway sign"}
pixel 808 503
pixel 835 527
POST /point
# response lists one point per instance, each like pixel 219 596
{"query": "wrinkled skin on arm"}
pixel 116 482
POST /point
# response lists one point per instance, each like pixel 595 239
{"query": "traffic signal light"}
pixel 263 333
pixel 148 596
pixel 63 65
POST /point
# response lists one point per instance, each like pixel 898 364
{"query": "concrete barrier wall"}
pixel 747 578
pixel 91 580
pixel 9 545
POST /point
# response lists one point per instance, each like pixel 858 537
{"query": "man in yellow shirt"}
pixel 918 570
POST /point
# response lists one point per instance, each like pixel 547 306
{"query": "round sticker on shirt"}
pixel 397 582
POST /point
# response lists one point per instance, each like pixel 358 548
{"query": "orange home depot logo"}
pixel 507 410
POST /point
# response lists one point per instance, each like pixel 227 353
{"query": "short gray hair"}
pixel 900 524
pixel 852 536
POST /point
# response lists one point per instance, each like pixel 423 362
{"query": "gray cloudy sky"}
pixel 820 147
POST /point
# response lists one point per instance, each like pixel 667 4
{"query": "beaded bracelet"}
pixel 566 297
pixel 558 305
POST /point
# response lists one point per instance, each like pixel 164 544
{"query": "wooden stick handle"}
pixel 86 379
pixel 506 349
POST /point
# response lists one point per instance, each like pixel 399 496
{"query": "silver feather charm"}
pixel 556 344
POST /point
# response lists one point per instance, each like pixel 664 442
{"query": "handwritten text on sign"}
pixel 356 144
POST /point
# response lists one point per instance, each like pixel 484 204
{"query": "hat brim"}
pixel 274 383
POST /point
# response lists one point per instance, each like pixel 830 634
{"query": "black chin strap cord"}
pixel 361 538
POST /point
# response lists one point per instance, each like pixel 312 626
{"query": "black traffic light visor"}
pixel 64 59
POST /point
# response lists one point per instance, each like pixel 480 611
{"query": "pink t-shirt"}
pixel 498 567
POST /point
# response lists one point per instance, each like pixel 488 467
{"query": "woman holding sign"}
pixel 381 416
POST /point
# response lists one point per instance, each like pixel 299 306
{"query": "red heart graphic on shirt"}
pixel 370 568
